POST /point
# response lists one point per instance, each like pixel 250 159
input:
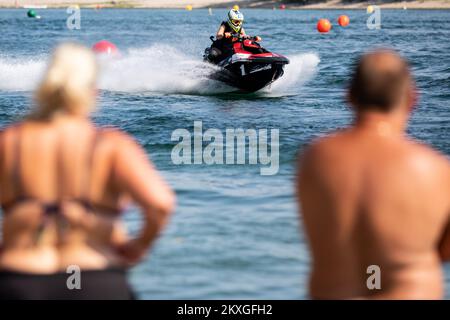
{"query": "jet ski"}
pixel 246 65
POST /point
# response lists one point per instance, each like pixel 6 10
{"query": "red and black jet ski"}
pixel 245 65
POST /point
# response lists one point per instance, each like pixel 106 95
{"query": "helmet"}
pixel 235 20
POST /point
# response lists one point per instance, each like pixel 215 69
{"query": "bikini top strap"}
pixel 16 184
pixel 60 184
pixel 2 154
pixel 17 178
pixel 87 183
pixel 17 175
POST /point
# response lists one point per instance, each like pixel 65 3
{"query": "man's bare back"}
pixel 371 196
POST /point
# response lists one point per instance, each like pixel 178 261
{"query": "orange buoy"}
pixel 323 25
pixel 343 21
pixel 105 47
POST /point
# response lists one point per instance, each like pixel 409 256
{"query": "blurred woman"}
pixel 63 185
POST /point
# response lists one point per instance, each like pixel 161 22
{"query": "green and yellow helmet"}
pixel 235 20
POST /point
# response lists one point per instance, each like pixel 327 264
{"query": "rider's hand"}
pixel 227 35
pixel 257 38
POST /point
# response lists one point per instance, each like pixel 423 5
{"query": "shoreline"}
pixel 204 4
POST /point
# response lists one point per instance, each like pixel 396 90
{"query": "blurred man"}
pixel 375 203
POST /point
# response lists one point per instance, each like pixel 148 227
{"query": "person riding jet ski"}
pixel 242 63
pixel 228 32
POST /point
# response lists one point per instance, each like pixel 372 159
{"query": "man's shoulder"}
pixel 422 155
pixel 11 128
pixel 328 142
pixel 320 150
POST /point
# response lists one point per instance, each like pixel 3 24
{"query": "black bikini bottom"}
pixel 107 284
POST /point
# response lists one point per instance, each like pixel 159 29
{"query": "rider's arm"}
pixel 221 32
pixel 243 34
pixel 256 38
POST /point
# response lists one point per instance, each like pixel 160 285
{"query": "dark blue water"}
pixel 235 233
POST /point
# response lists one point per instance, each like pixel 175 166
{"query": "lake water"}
pixel 235 233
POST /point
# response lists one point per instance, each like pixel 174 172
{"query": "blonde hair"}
pixel 68 84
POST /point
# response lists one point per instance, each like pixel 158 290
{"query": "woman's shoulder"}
pixel 123 147
pixel 116 136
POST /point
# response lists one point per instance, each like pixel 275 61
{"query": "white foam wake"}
pixel 158 69
pixel 20 74
pixel 301 68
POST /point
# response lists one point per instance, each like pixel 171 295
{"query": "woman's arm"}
pixel 444 242
pixel 137 177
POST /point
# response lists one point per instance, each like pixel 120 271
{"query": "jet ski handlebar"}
pixel 238 37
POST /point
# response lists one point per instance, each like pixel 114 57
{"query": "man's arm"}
pixel 307 182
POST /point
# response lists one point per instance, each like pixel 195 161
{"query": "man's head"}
pixel 381 82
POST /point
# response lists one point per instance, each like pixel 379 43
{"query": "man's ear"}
pixel 350 100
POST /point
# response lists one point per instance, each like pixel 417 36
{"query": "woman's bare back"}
pixel 60 200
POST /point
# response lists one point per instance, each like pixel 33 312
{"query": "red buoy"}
pixel 343 21
pixel 105 47
pixel 282 6
pixel 323 25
